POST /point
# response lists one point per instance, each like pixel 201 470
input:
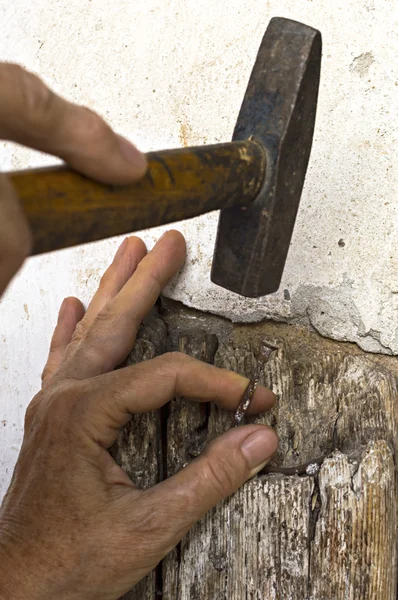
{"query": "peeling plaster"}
pixel 362 63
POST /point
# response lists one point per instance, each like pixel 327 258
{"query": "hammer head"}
pixel 278 111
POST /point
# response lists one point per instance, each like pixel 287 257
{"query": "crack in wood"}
pixel 308 469
pixel 284 534
pixel 314 508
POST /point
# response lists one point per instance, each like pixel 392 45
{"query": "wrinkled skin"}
pixel 73 526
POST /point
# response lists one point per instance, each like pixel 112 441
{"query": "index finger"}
pixel 112 398
pixel 32 115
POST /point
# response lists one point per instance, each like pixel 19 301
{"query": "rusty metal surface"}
pixel 264 354
pixel 279 111
pixel 65 209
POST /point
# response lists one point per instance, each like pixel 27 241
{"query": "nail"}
pixel 258 448
pixel 162 236
pixel 132 154
pixel 120 251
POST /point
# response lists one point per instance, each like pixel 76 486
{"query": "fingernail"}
pixel 121 249
pixel 258 448
pixel 162 236
pixel 62 309
pixel 132 154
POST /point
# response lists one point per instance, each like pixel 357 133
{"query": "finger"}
pixel 34 116
pixel 228 462
pixel 128 256
pixel 70 313
pixel 15 239
pixel 110 400
pixel 111 336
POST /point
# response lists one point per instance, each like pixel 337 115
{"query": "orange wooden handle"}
pixel 65 209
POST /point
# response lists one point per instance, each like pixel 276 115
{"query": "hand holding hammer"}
pixel 73 525
pixel 256 180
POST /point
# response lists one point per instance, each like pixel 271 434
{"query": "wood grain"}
pixel 330 536
pixel 138 449
pixel 64 208
pixel 353 554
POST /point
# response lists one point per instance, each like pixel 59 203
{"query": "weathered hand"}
pixel 30 114
pixel 73 525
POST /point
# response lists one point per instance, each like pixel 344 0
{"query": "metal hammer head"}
pixel 278 111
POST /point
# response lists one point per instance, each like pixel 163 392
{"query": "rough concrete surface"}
pixel 168 73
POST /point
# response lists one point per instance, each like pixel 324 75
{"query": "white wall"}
pixel 173 72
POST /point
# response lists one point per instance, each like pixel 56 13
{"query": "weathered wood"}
pixel 138 449
pixel 254 545
pixel 326 536
pixel 353 554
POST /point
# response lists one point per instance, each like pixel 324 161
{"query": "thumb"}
pixel 222 468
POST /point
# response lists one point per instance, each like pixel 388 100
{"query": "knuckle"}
pixel 59 406
pixel 110 319
pixel 56 414
pixel 37 98
pixel 49 370
pixel 79 333
pixel 152 524
pixel 91 341
pixel 175 363
pixel 220 474
pixel 107 278
pixel 105 321
pixel 92 126
pixel 146 519
pixel 31 411
pixel 176 359
pixel 45 373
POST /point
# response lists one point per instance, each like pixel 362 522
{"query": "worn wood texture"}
pixel 139 447
pixel 64 208
pixel 326 536
pixel 353 554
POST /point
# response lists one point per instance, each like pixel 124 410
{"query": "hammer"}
pixel 256 180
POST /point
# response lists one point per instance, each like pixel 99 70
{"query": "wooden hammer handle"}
pixel 65 209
